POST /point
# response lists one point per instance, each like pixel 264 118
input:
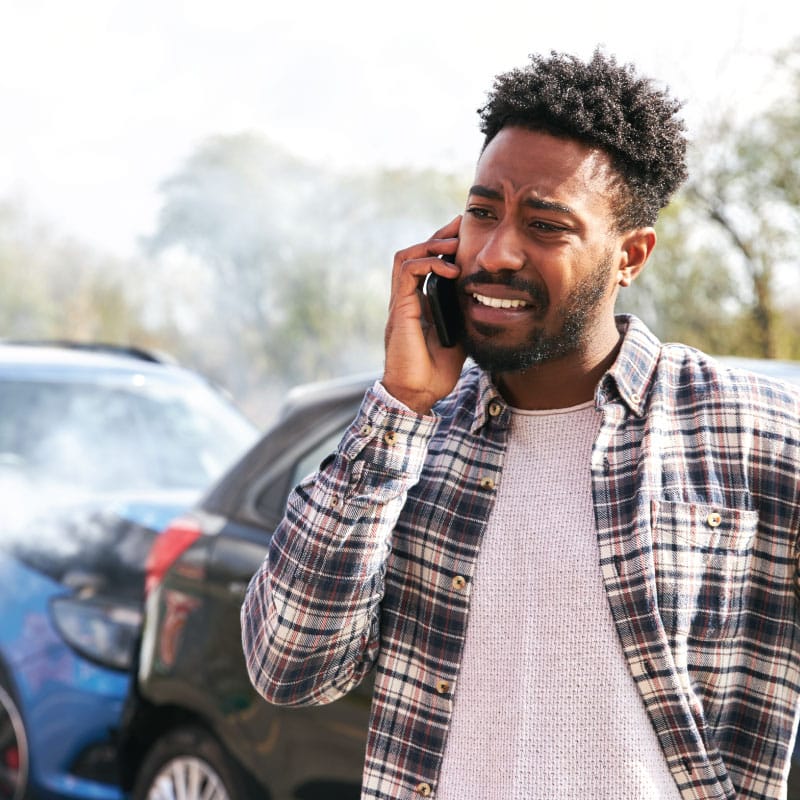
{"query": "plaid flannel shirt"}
pixel 695 482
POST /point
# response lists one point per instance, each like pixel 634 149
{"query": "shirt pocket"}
pixel 702 556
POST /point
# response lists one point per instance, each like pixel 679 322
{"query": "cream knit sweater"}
pixel 545 707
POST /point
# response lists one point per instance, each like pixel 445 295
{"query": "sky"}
pixel 102 100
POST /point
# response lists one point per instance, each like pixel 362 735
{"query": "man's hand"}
pixel 418 370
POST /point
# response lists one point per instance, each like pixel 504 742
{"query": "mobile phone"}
pixel 445 310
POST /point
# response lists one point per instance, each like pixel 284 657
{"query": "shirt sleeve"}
pixel 310 618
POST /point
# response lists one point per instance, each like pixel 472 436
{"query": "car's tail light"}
pixel 100 629
pixel 167 548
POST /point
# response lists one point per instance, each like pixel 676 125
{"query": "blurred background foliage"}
pixel 265 270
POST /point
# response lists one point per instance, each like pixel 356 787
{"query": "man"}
pixel 573 561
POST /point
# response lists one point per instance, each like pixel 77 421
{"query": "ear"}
pixel 635 249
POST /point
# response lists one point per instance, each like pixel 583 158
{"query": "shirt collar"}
pixel 630 376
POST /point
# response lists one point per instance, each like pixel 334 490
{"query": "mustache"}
pixel 538 294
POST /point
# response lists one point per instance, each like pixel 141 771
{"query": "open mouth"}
pixel 498 302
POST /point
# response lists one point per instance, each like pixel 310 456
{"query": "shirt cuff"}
pixel 389 435
pixel 389 399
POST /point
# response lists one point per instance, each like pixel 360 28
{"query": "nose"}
pixel 503 249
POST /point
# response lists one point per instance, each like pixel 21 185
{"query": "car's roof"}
pixel 54 362
pixel 773 368
pixel 328 393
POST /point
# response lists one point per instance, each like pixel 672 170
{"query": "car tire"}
pixel 13 749
pixel 188 763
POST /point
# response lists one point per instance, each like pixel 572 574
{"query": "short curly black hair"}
pixel 603 105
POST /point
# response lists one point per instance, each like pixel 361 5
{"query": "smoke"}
pixel 295 258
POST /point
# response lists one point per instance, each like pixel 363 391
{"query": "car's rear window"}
pixel 107 437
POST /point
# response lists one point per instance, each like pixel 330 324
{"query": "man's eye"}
pixel 479 213
pixel 547 227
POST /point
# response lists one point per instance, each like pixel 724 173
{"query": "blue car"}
pixel 99 449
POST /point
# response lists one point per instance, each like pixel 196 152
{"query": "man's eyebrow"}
pixel 485 191
pixel 532 202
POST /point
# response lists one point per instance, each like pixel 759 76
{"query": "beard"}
pixel 575 316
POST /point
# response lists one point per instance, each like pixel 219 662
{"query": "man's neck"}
pixel 563 382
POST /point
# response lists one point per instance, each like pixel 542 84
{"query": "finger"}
pixel 432 247
pixel 427 254
pixel 409 275
pixel 443 242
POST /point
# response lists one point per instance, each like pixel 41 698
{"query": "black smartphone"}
pixel 445 310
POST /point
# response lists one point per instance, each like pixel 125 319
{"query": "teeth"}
pixel 496 302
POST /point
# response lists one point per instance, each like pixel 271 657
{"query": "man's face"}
pixel 537 250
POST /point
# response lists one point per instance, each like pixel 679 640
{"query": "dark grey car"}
pixel 195 727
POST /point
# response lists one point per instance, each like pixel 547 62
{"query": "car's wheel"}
pixel 13 750
pixel 189 764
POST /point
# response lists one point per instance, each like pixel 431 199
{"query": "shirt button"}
pixel 487 483
pixel 424 789
pixel 366 429
pixel 459 582
pixel 714 519
pixel 635 398
pixel 442 687
pixel 495 409
pixel 390 437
